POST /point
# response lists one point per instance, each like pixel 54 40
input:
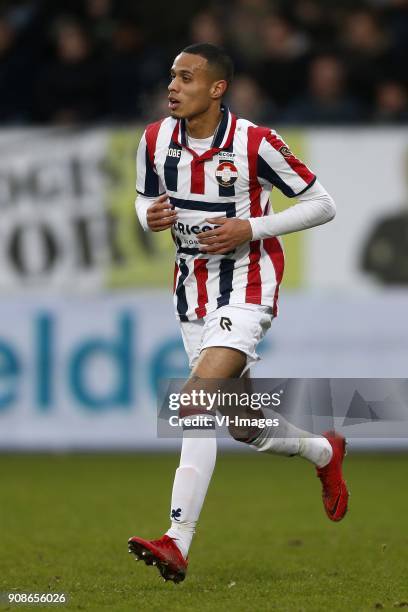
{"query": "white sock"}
pixel 197 461
pixel 316 449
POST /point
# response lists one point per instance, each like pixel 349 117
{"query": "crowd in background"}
pixel 297 62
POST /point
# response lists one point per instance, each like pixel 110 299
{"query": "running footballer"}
pixel 206 175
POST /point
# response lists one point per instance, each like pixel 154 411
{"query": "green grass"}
pixel 263 541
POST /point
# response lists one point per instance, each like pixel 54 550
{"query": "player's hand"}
pixel 161 214
pixel 230 233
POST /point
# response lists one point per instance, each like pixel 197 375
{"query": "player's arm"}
pixel 314 207
pixel 153 208
pixel 279 167
pixel 155 214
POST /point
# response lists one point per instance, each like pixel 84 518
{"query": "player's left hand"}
pixel 230 233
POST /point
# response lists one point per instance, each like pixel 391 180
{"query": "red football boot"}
pixel 163 553
pixel 335 494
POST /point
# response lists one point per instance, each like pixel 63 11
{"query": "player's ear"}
pixel 218 89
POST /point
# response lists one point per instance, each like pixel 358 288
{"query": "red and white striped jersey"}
pixel 234 178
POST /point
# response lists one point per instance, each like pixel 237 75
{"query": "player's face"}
pixel 192 87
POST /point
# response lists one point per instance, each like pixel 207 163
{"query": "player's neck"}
pixel 204 126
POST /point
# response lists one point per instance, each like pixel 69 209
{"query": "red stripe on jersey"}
pixel 197 175
pixel 201 274
pixel 152 131
pixel 299 167
pixel 176 270
pixel 253 292
pixel 197 165
pixel 273 247
pixel 175 135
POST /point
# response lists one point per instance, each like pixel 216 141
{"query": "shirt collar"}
pixel 222 137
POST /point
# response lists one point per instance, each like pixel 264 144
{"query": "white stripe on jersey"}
pixel 141 165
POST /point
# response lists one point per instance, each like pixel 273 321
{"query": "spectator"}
pixel 71 89
pixel 125 86
pixel 107 60
pixel 243 22
pixel 247 100
pixel 101 22
pixel 315 19
pixel 205 27
pixel 327 100
pixel 135 70
pixel 391 103
pixel 208 27
pixel 366 50
pixel 15 81
pixel 282 70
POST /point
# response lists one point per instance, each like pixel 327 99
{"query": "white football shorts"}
pixel 238 326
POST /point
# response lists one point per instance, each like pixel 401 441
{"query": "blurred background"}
pixel 87 329
pixel 306 61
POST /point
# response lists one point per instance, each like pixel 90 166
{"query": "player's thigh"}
pixel 214 367
pixel 238 329
pixel 223 363
pixel 220 362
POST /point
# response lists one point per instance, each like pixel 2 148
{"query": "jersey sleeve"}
pixel 278 166
pixel 148 183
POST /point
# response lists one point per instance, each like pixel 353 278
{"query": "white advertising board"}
pixel 83 373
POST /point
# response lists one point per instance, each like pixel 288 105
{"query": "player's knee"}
pixel 243 434
pixel 192 411
pixel 186 411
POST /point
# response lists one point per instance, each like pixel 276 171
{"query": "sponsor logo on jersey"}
pixel 173 152
pixel 226 155
pixel 226 174
pixel 185 229
pixel 285 151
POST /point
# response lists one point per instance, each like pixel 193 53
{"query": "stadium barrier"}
pixel 68 222
pixel 84 372
pixel 84 342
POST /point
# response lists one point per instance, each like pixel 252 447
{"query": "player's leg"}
pixel 247 327
pixel 198 453
pixel 325 451
pixel 194 473
pixel 286 439
pixel 289 440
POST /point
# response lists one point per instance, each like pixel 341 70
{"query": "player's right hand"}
pixel 161 214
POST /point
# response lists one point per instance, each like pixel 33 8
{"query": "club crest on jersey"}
pixel 226 174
